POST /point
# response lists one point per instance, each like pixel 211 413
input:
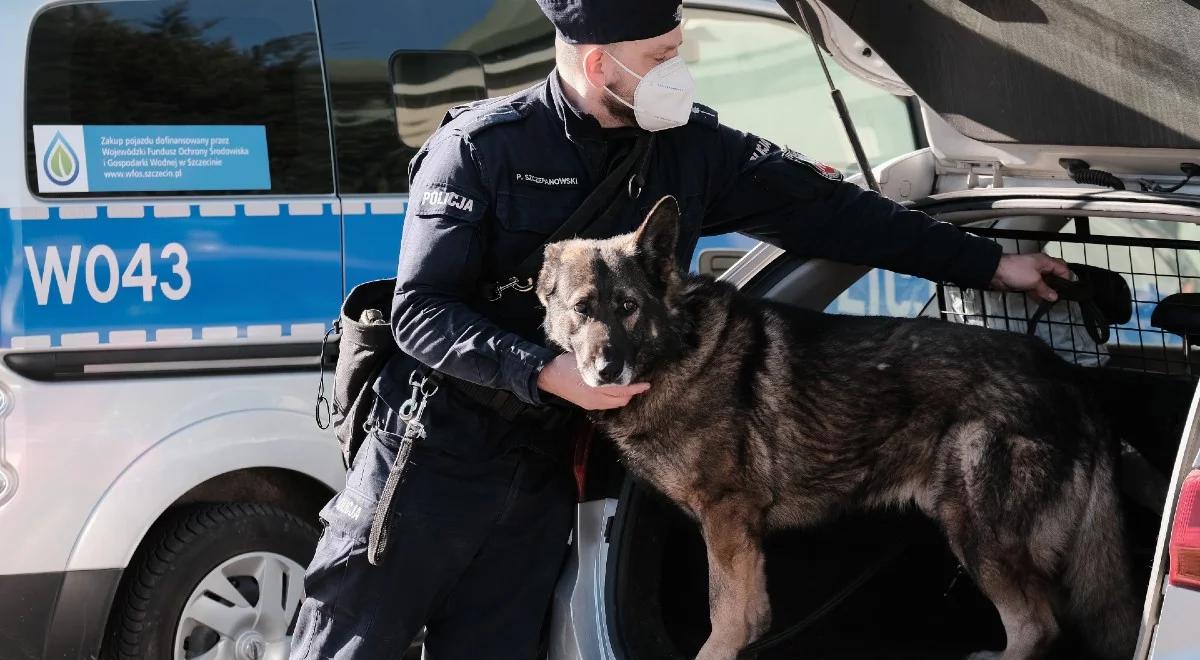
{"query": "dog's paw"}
pixel 985 655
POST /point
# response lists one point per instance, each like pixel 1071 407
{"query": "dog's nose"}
pixel 608 370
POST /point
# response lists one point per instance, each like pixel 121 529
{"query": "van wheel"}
pixel 216 582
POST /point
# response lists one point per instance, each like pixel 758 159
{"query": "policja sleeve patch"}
pixel 761 148
pixel 445 200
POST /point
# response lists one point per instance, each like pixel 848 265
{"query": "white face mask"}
pixel 663 97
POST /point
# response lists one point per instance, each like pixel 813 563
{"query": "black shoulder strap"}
pixel 602 198
pixel 600 203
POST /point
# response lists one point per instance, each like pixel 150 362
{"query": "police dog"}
pixel 763 416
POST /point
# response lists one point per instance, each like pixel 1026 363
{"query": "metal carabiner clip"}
pixel 636 183
pixel 412 407
pixel 408 410
pixel 513 283
pixel 423 387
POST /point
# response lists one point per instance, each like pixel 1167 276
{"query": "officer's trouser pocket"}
pixel 350 513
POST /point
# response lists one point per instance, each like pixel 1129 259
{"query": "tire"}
pixel 201 586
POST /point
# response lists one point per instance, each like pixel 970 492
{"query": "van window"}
pixel 762 76
pixel 396 67
pixel 234 86
pixel 426 84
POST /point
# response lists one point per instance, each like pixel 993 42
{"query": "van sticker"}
pixel 81 159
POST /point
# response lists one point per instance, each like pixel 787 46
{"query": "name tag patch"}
pixel 547 181
pixel 447 202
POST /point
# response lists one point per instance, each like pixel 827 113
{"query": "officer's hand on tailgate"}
pixel 561 378
pixel 1023 272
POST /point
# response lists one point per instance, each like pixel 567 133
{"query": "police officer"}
pixel 480 524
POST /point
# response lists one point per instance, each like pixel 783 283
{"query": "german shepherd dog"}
pixel 763 416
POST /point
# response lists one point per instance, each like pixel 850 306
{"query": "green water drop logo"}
pixel 60 162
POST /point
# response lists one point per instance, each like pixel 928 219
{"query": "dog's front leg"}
pixel 737 582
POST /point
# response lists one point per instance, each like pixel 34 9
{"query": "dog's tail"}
pixel 1100 605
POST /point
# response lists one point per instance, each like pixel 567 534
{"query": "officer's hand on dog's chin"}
pixel 561 378
pixel 1024 272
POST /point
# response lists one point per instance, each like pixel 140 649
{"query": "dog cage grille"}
pixel 1153 268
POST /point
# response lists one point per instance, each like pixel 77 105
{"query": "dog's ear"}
pixel 657 237
pixel 548 277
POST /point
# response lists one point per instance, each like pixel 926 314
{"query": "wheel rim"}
pixel 242 610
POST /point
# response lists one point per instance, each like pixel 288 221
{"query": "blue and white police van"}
pixel 189 187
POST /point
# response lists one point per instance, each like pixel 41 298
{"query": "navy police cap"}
pixel 610 21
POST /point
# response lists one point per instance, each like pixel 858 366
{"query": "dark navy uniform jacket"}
pixel 500 175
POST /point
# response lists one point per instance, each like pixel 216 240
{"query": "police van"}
pixel 187 189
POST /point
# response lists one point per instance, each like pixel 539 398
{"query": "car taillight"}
pixel 1185 535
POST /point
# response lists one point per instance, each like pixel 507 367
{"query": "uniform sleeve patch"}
pixel 761 148
pixel 447 201
pixel 827 171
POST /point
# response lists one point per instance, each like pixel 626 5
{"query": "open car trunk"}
pixel 1025 82
pixel 883 583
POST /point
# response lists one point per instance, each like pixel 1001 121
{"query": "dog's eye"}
pixel 581 307
pixel 629 306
